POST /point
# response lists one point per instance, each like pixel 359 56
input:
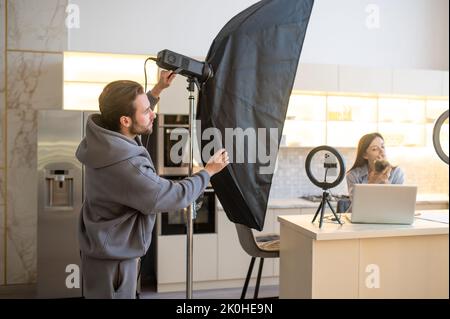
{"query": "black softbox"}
pixel 254 58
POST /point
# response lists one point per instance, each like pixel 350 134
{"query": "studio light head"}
pixel 184 65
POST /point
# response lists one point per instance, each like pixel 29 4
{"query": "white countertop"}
pixel 432 198
pixel 302 203
pixel 334 231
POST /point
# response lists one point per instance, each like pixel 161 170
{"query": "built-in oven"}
pixel 172 158
pixel 173 129
pixel 174 223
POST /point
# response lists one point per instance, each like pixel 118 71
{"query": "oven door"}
pixel 174 223
pixel 170 152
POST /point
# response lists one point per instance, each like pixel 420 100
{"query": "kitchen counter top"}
pixel 432 199
pixel 288 203
pixel 334 231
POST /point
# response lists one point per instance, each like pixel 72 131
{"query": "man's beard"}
pixel 137 129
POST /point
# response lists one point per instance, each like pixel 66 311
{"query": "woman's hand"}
pixel 380 177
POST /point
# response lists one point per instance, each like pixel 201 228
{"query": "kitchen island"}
pixel 220 261
pixel 363 260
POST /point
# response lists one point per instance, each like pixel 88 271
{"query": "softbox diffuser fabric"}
pixel 254 58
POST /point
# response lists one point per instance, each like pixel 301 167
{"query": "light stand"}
pixel 191 212
pixel 195 72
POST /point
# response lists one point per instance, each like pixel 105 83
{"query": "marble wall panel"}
pixel 37 25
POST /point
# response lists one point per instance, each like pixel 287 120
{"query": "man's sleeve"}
pixel 150 193
pixel 153 100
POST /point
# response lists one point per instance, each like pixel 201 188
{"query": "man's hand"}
pixel 217 162
pixel 165 80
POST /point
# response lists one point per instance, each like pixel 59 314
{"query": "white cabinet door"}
pixel 171 252
pixel 233 261
pixel 174 100
pixel 282 211
pixel 275 214
pixel 365 80
pixel 316 77
pixel 418 82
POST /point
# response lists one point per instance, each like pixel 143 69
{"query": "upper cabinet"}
pixel 418 82
pixel 317 77
pixel 305 121
pixel 402 121
pixel 365 80
pixel 341 120
pixel 445 83
pixel 336 105
pixel 348 118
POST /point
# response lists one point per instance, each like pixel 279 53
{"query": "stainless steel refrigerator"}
pixel 60 197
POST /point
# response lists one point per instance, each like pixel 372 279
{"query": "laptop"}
pixel 383 204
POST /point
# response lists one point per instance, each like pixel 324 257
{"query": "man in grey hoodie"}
pixel 123 191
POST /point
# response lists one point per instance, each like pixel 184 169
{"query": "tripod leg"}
pixel 317 212
pixel 334 213
pixel 324 198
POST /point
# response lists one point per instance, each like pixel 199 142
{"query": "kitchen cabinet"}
pixel 340 121
pixel 445 83
pixel 305 121
pixel 339 262
pixel 275 213
pixel 365 80
pixel 220 261
pixel 171 264
pixel 402 121
pixel 418 82
pixel 368 80
pixel 362 100
pixel 233 261
pixel 317 77
pixel 348 118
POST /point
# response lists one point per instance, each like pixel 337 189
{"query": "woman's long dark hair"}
pixel 363 145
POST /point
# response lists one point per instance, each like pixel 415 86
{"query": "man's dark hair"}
pixel 116 100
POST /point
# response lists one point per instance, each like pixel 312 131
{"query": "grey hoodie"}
pixel 122 193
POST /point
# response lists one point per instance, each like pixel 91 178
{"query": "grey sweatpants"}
pixel 109 279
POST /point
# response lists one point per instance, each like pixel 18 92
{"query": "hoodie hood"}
pixel 102 147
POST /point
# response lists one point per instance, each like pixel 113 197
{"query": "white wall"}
pixel 411 33
pixel 152 25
